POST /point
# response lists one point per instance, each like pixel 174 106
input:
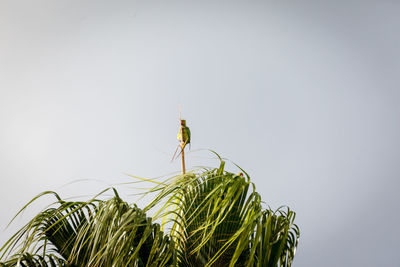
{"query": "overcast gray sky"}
pixel 304 95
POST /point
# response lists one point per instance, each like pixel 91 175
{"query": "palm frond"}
pixel 217 220
pixel 214 218
pixel 93 233
pixel 32 260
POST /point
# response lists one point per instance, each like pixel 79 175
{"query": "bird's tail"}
pixel 176 150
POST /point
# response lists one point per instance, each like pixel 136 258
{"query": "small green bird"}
pixel 183 137
pixel 184 134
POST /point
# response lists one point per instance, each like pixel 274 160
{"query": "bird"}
pixel 184 134
pixel 183 137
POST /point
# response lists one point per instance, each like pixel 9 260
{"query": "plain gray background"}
pixel 304 95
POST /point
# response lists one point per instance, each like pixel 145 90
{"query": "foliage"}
pixel 93 233
pixel 214 218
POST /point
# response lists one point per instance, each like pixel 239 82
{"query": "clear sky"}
pixel 304 95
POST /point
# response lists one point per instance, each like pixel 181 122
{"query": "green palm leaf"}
pixel 29 260
pixel 93 233
pixel 217 220
pixel 214 218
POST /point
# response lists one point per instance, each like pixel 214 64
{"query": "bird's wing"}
pixel 188 134
pixel 188 140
